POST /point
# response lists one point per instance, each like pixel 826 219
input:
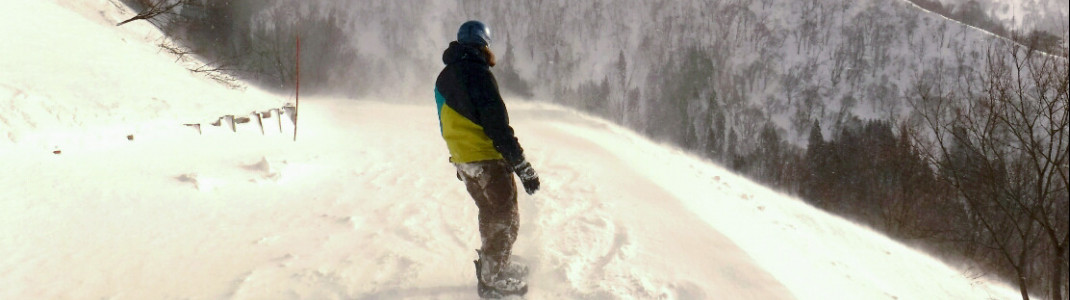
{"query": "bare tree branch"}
pixel 154 9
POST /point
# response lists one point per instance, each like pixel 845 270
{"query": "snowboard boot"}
pixel 504 281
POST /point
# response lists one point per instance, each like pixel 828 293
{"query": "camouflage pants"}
pixel 492 187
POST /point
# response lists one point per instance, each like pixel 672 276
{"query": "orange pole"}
pixel 297 92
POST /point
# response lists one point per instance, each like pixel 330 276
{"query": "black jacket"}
pixel 472 115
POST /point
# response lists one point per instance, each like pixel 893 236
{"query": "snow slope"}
pixel 71 79
pixel 364 205
pixel 1025 15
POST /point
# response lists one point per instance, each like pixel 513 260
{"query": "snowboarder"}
pixel 475 124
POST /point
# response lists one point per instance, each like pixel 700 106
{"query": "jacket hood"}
pixel 461 52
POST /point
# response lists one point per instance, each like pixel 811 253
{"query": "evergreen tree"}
pixel 816 182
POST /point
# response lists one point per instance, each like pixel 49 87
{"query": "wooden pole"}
pixel 297 92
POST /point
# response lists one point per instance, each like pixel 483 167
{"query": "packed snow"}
pixel 110 192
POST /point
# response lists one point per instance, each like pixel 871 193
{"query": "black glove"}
pixel 528 177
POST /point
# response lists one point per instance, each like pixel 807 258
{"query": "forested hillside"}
pixel 667 68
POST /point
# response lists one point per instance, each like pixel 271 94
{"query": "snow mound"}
pixel 72 78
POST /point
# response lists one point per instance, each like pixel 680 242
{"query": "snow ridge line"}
pixel 982 30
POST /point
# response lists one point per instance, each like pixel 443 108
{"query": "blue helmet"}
pixel 474 32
